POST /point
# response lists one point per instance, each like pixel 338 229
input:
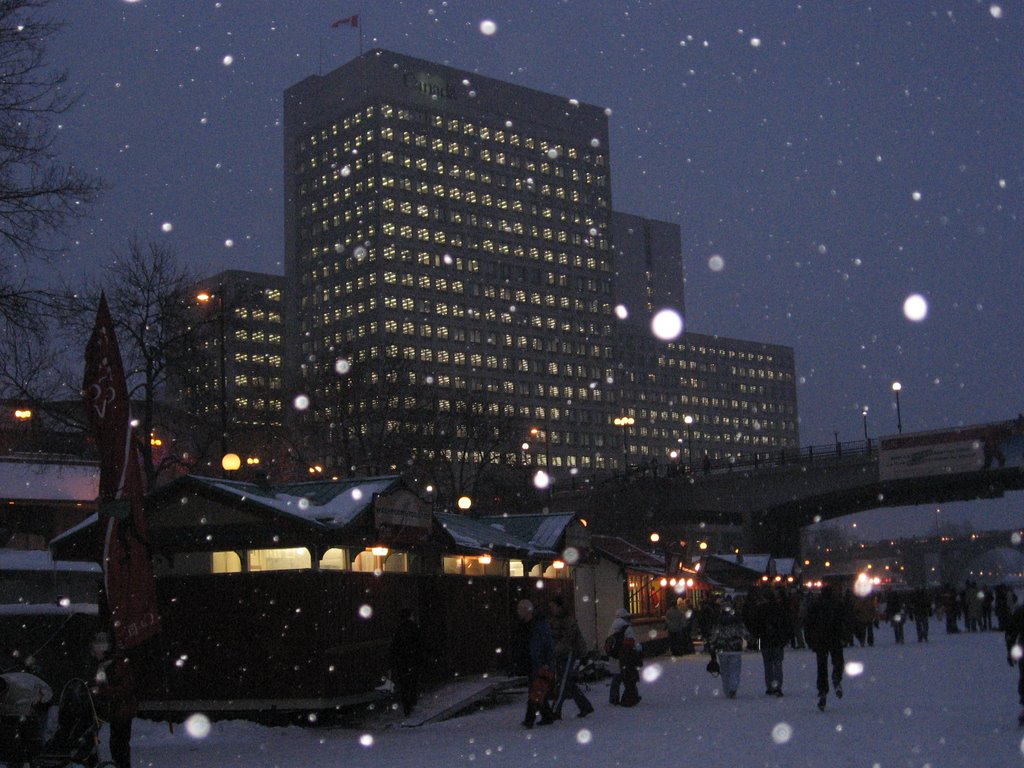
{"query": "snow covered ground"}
pixel 949 703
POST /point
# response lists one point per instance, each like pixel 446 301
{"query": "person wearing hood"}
pixel 726 642
pixel 624 691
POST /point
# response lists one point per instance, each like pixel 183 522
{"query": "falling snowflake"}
pixel 915 307
pixel 197 726
pixel 667 324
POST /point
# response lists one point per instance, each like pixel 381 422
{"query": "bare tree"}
pixel 148 294
pixel 378 417
pixel 38 192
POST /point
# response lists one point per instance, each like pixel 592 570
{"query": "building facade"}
pixel 451 250
pixel 241 316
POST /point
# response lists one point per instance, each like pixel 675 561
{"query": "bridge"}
pixel 771 500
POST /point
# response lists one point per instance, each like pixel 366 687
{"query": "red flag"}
pixel 127 561
pixel 348 21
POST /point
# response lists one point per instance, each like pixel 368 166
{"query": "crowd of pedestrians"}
pixel 767 619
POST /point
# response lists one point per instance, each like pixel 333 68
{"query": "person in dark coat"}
pixel 827 632
pixel 570 647
pixel 406 660
pixel 677 626
pixel 769 621
pixel 1015 652
pixel 541 649
pixel 920 611
pixel 114 696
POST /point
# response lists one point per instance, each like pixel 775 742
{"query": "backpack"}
pixel 613 644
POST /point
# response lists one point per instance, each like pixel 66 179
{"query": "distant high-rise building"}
pixel 451 233
pixel 241 370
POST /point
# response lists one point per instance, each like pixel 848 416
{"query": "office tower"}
pixel 449 252
pixel 240 375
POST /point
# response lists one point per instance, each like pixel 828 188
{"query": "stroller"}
pixel 24 705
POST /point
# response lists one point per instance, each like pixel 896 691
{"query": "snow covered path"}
pixel 949 703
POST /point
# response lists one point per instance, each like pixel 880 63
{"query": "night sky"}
pixel 837 158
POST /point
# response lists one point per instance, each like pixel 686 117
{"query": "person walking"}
pixel 950 603
pixel 1015 652
pixel 774 630
pixel 406 660
pixel 896 615
pixel 726 641
pixel 114 696
pixel 920 611
pixel 827 632
pixel 865 614
pixel 677 625
pixel 541 652
pixel 624 691
pixel 569 648
pixel 798 614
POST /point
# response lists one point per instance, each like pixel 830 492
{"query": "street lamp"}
pixel 896 387
pixel 625 422
pixel 867 440
pixel 537 432
pixel 688 421
pixel 204 297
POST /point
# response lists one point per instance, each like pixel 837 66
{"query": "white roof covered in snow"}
pixel 484 535
pixel 333 504
pixel 22 480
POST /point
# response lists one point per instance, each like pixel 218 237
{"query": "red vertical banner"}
pixel 127 560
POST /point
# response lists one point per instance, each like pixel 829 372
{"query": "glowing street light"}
pixel 625 422
pixel 688 421
pixel 896 387
pixel 205 297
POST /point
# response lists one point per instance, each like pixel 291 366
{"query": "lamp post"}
pixel 537 432
pixel 205 297
pixel 625 422
pixel 896 387
pixel 867 440
pixel 688 421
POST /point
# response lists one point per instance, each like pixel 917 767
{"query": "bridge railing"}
pixel 809 454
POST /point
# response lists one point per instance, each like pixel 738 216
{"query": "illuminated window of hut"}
pixel 393 562
pixel 556 570
pixel 453 564
pixel 286 559
pixel 225 562
pixel 516 568
pixel 336 559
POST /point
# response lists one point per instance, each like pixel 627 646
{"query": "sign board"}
pixel 402 509
pixel 952 451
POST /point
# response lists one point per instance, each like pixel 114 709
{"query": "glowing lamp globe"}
pixel 230 462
